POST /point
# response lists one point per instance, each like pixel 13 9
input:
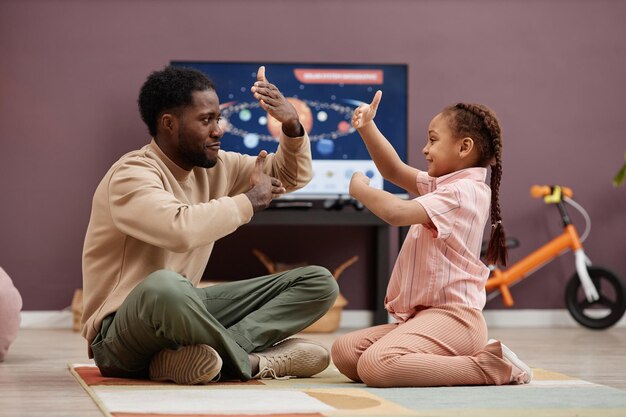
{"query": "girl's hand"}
pixel 357 180
pixel 365 112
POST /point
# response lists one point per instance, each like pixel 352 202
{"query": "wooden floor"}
pixel 35 381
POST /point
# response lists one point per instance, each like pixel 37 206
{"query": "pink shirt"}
pixel 441 264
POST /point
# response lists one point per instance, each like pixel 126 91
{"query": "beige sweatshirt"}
pixel 150 214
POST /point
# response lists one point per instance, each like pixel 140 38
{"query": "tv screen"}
pixel 325 96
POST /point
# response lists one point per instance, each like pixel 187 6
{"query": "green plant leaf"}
pixel 619 178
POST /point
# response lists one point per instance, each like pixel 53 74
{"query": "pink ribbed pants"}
pixel 439 346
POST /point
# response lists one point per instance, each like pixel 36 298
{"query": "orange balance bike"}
pixel 594 296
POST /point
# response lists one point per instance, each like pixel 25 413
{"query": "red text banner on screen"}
pixel 338 76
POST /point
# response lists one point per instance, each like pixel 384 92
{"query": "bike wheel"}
pixel 604 312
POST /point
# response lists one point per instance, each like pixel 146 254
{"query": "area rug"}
pixel 330 394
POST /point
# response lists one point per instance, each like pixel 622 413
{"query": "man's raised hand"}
pixel 274 103
pixel 260 74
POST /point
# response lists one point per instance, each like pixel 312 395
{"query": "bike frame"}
pixel 501 279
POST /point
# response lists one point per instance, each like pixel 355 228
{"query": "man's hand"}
pixel 356 182
pixel 263 187
pixel 365 112
pixel 272 101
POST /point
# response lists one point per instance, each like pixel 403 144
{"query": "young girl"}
pixel 437 287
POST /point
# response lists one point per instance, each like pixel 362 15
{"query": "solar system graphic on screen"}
pixel 325 96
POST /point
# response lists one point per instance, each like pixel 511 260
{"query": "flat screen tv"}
pixel 325 95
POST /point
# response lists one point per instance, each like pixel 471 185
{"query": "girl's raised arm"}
pixel 391 167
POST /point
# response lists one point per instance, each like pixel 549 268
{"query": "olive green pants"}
pixel 235 318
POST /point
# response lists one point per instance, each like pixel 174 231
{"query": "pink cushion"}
pixel 10 306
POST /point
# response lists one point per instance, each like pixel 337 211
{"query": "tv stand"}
pixel 340 202
pixel 346 217
pixel 290 205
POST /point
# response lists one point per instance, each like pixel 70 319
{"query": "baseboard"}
pixel 46 319
pixel 495 318
pixel 534 318
pixel 351 319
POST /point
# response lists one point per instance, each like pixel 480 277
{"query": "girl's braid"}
pixel 488 138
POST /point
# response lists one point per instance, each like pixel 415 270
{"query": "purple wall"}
pixel 70 72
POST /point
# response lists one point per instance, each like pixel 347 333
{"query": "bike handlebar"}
pixel 539 191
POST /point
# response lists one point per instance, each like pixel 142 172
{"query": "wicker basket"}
pixel 330 321
pixel 77 309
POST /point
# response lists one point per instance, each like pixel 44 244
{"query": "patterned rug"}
pixel 330 394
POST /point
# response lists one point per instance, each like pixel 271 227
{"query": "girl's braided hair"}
pixel 480 123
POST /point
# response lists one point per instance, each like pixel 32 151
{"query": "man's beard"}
pixel 197 158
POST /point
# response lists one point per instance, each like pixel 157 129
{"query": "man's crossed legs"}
pixel 168 330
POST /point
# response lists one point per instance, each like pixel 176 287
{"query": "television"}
pixel 325 96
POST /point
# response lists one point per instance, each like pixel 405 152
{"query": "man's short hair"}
pixel 167 90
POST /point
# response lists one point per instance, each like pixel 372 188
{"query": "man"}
pixel 155 217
